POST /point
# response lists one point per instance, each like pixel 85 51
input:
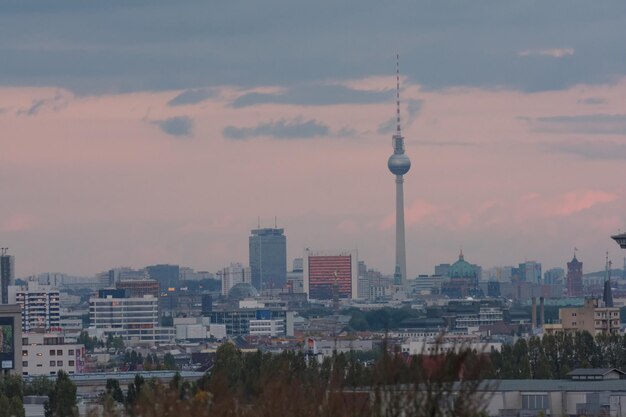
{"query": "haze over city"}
pixel 160 132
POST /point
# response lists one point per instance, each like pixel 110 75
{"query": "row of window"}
pixel 53 352
pixel 52 363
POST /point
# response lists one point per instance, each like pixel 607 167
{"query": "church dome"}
pixel 462 269
pixel 241 291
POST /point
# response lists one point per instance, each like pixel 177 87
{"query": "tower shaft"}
pixel 400 241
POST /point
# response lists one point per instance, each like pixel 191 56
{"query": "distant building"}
pixel 593 317
pixel 135 319
pixel 47 353
pixel 574 278
pixel 554 276
pixel 40 306
pixel 463 279
pixel 268 259
pixel 260 321
pixel 327 272
pixel 138 287
pixel 7 276
pixel 530 271
pixel 232 275
pixel 168 276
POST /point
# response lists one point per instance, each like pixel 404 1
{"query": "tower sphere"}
pixel 399 164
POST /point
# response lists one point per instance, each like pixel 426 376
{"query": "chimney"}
pixel 533 314
pixel 542 312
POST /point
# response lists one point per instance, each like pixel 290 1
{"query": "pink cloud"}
pixel 575 201
pixel 19 222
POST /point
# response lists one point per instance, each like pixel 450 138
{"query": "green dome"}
pixel 462 269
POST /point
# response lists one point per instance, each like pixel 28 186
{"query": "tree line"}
pixel 292 384
pixel 554 356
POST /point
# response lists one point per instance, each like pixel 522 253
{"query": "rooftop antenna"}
pixel 398 93
pixel 258 222
pixel 275 222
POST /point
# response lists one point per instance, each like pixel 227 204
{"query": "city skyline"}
pixel 521 136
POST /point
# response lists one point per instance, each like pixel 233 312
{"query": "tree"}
pixel 62 400
pixel 4 406
pixel 113 389
pixel 169 362
pixel 89 342
pixel 16 407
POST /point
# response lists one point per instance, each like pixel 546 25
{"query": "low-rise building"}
pixel 592 317
pixel 47 353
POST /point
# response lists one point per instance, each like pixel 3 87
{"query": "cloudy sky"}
pixel 134 133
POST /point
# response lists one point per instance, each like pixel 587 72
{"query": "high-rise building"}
pixel 554 276
pixel 330 274
pixel 399 164
pixel 167 275
pixel 530 271
pixel 268 258
pixel 7 275
pixel 233 275
pixel 40 305
pixel 574 278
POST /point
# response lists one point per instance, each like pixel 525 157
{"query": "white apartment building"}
pixel 271 328
pixel 135 319
pixel 47 353
pixel 233 275
pixel 40 305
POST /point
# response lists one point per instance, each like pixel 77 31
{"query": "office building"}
pixel 530 271
pixel 574 278
pixel 168 276
pixel 331 273
pixel 232 275
pixel 138 287
pixel 40 306
pixel 135 319
pixel 260 321
pixel 268 259
pixel 7 275
pixel 554 276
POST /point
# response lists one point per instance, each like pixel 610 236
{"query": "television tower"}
pixel 399 164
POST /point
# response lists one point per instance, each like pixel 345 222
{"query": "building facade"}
pixel 268 259
pixel 329 274
pixel 135 319
pixel 574 278
pixel 593 317
pixel 40 305
pixel 47 353
pixel 7 276
pixel 168 276
pixel 232 275
pixel 138 287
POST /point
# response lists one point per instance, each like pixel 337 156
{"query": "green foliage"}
pixel 554 356
pixel 39 385
pixel 381 319
pixel 114 342
pixel 16 407
pixel 89 342
pixel 114 391
pixel 168 362
pixel 62 400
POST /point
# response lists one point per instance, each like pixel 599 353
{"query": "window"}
pixel 70 352
pixel 24 353
pixel 59 363
pixel 24 364
pixel 70 363
pixel 24 341
pixel 535 401
pixel 52 363
pixel 52 352
pixel 59 352
pixel 39 365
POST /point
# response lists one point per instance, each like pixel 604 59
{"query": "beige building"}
pixel 592 317
pixel 47 353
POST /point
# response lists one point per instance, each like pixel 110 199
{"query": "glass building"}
pixel 268 259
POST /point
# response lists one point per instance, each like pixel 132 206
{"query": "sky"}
pixel 144 132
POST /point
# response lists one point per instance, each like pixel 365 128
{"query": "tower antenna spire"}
pixel 398 93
